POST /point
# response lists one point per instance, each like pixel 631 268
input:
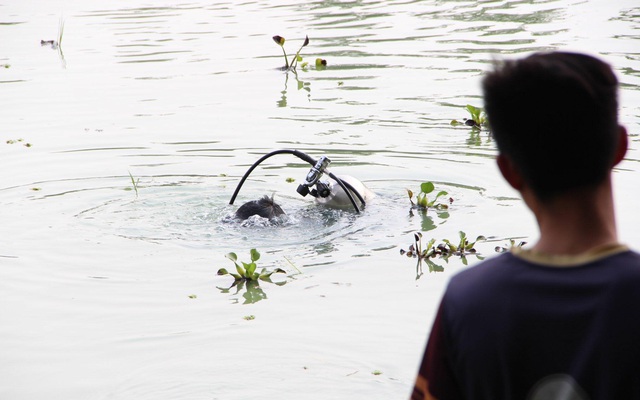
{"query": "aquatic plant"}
pixel 423 202
pixel 57 44
pixel 292 264
pixel 60 32
pixel 321 63
pixel 134 182
pixel 423 255
pixel 297 58
pixel 14 141
pixel 247 271
pixel 248 278
pixel 280 42
pixel 292 66
pixel 443 251
pixel 478 118
pixel 463 247
pixel 508 247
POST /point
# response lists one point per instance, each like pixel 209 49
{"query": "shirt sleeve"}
pixel 436 367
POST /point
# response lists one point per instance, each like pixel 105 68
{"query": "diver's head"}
pixel 265 207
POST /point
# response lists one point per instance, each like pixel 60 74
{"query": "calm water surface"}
pixel 105 294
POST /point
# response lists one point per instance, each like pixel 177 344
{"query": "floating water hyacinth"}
pixel 443 251
pixel 478 118
pixel 422 200
pixel 280 41
pixel 247 271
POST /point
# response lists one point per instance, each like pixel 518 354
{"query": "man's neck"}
pixel 576 223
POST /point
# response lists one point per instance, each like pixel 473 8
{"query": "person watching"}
pixel 560 320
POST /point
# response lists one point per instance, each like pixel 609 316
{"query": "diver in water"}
pixel 265 207
pixel 334 192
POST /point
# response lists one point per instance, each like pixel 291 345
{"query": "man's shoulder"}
pixel 494 267
pixel 500 270
pixel 625 267
pixel 484 277
pixel 507 280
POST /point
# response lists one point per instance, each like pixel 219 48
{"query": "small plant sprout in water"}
pixel 423 202
pixel 510 246
pixel 134 183
pixel 57 44
pixel 477 121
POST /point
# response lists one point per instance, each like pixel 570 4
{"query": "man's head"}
pixel 266 207
pixel 555 117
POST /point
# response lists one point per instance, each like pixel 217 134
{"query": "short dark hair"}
pixel 265 207
pixel 555 116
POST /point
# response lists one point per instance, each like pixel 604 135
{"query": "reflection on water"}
pixel 427 222
pixel 251 291
pixel 300 85
pixel 186 97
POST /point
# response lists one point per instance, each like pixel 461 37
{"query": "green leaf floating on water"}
pixel 474 111
pixel 426 187
pixel 249 268
pixel 241 271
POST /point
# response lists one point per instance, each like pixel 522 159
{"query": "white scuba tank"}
pixel 339 199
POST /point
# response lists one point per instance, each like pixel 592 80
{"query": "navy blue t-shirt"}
pixel 507 324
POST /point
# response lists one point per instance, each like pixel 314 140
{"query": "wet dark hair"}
pixel 555 116
pixel 265 207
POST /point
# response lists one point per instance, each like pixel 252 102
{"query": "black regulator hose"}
pixel 305 157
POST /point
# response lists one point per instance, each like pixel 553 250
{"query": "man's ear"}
pixel 623 145
pixel 509 172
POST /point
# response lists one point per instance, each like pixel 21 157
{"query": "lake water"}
pixel 111 293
